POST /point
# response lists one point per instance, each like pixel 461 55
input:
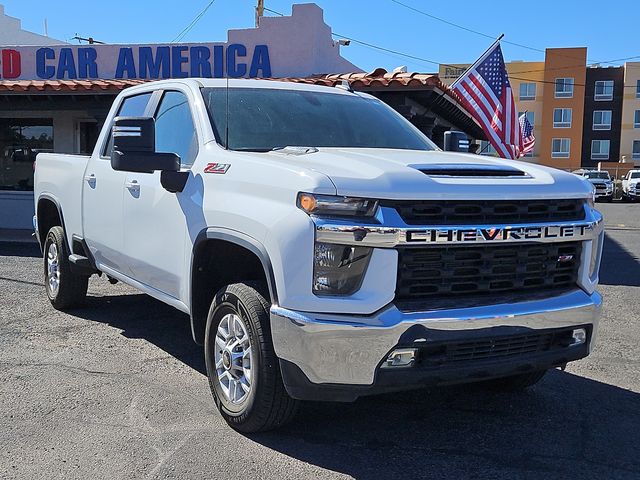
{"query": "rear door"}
pixel 102 198
pixel 155 220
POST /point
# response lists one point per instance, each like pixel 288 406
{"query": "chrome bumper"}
pixel 347 349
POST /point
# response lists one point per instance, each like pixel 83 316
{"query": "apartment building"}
pixel 602 115
pixel 630 123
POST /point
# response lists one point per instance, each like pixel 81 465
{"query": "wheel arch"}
pixel 49 214
pixel 250 261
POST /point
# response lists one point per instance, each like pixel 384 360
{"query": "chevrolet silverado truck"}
pixel 322 246
pixel 601 181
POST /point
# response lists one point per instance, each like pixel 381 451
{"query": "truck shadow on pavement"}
pixel 566 427
pixel 619 266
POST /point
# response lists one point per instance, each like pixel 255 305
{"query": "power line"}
pixel 461 27
pixel 433 62
pixel 188 28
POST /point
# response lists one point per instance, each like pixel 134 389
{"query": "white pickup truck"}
pixel 323 247
pixel 631 185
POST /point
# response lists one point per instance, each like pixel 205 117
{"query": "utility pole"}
pixel 259 12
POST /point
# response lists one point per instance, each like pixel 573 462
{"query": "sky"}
pixel 607 32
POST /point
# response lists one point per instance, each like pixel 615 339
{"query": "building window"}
pixel 600 149
pixel 20 141
pixel 602 120
pixel 560 147
pixel 635 152
pixel 561 118
pixel 636 119
pixel 487 149
pixel 637 88
pixel 527 91
pixel 564 87
pixel 604 90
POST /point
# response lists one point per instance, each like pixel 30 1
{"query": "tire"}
pixel 242 313
pixel 515 382
pixel 65 288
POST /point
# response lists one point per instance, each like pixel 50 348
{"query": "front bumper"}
pixel 341 355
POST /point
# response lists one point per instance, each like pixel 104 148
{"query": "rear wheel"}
pixel 65 288
pixel 515 382
pixel 242 367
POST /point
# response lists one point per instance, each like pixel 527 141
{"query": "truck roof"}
pixel 242 83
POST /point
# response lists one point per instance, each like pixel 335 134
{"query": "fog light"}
pixel 579 336
pixel 402 357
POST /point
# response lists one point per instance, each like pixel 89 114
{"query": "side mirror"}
pixel 456 141
pixel 134 145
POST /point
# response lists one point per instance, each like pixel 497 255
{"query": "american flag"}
pixel 486 92
pixel 528 140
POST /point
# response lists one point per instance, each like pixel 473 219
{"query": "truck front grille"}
pixel 484 274
pixel 478 212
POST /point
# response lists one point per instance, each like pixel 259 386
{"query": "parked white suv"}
pixel 323 247
pixel 631 185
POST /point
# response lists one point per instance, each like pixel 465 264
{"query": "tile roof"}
pixel 379 78
pixel 78 86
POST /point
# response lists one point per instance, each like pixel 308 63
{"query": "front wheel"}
pixel 242 367
pixel 65 288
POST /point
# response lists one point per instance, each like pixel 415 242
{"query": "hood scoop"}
pixel 451 170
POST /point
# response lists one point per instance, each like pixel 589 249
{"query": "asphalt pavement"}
pixel 117 389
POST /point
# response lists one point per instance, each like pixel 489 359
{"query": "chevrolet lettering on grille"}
pixel 462 235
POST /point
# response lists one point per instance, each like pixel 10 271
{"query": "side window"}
pixel 131 107
pixel 175 132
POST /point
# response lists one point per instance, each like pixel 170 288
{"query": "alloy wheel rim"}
pixel 233 358
pixel 53 269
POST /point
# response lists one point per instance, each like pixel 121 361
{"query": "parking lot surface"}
pixel 117 389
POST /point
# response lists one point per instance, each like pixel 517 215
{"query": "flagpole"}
pixel 480 59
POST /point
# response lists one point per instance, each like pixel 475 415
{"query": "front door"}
pixel 103 191
pixel 155 235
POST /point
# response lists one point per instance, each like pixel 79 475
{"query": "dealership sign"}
pixel 138 61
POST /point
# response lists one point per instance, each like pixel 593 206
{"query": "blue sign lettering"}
pixel 42 69
pixel 235 69
pixel 87 66
pixel 126 64
pixel 200 66
pixel 66 64
pixel 218 61
pixel 260 61
pixel 177 60
pixel 147 62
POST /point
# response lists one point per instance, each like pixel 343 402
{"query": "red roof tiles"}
pixel 78 86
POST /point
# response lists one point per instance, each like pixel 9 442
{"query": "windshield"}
pixel 635 175
pixel 264 119
pixel 601 175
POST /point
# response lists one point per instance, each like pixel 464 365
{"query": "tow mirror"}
pixel 134 145
pixel 456 141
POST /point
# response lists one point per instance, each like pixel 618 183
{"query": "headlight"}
pixel 336 206
pixel 338 269
pixel 591 199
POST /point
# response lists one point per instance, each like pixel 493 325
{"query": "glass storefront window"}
pixel 20 141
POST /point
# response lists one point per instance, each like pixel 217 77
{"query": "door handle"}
pixel 91 179
pixel 133 186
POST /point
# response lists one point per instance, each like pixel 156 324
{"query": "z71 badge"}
pixel 220 168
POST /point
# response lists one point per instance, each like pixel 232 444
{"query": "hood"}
pixel 598 180
pixel 410 174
